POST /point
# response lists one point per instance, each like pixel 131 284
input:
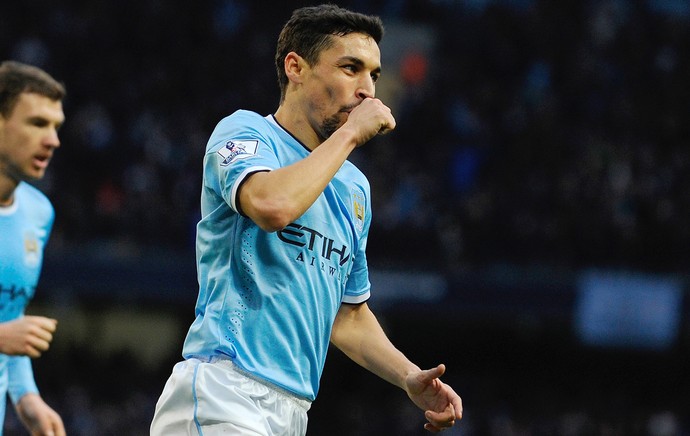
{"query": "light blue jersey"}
pixel 24 230
pixel 268 300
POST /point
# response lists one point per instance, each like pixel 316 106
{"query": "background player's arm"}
pixel 27 336
pixel 38 417
pixel 359 335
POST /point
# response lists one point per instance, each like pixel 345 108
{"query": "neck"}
pixel 7 187
pixel 298 126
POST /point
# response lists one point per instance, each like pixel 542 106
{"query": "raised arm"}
pixel 276 198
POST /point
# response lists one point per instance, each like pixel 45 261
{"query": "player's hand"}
pixel 370 118
pixel 27 336
pixel 39 418
pixel 442 406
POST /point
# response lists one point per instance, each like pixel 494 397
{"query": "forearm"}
pixel 358 334
pixel 276 198
pixel 20 377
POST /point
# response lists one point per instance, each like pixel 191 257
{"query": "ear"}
pixel 294 67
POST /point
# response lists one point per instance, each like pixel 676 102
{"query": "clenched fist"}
pixel 27 336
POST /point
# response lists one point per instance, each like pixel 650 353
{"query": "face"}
pixel 29 137
pixel 344 76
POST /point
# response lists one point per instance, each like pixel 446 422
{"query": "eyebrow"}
pixel 45 120
pixel 357 61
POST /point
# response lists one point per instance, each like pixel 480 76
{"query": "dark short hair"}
pixel 309 31
pixel 17 78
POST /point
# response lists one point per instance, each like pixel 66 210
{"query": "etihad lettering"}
pixel 315 242
pixel 13 292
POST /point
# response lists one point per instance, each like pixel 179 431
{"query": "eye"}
pixel 375 77
pixel 39 122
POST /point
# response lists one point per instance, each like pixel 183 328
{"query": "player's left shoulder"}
pixel 349 171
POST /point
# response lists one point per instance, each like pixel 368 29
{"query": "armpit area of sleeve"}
pixel 357 299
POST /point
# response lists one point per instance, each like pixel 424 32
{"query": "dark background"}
pixel 531 209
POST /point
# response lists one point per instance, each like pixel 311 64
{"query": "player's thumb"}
pixel 433 373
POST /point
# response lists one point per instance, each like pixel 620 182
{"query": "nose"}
pixel 367 88
pixel 52 140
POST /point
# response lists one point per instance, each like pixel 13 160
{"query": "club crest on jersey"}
pixel 234 149
pixel 32 254
pixel 358 209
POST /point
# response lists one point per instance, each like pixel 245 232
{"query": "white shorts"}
pixel 209 398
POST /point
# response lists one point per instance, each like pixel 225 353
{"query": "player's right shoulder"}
pixel 241 117
pixel 241 125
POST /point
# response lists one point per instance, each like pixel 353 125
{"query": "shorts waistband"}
pixel 230 364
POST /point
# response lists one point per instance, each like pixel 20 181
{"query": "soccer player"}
pixel 30 116
pixel 281 247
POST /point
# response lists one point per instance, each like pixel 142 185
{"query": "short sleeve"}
pixel 237 148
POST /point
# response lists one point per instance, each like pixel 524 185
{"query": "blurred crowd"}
pixel 529 131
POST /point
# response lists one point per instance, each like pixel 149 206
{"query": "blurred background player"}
pixel 30 116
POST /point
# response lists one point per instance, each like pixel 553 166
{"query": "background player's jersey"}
pixel 24 230
pixel 268 300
